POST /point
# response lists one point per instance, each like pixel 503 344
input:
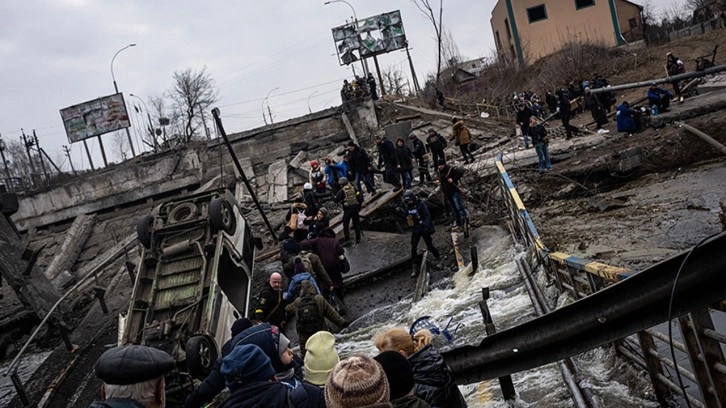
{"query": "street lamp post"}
pixel 115 87
pixel 151 124
pixel 268 106
pixel 363 62
pixel 311 95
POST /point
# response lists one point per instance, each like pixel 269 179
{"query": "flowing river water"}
pixel 510 305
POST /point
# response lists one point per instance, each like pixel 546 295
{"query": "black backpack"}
pixel 309 317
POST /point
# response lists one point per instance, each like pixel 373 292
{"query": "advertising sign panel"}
pixel 375 35
pixel 96 117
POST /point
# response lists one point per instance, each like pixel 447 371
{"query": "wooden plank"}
pixel 58 272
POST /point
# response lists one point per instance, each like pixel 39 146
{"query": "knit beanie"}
pixel 320 358
pixel 356 382
pixel 245 364
pixel 398 371
pixel 282 344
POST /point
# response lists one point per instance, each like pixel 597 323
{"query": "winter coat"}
pixel 537 133
pixel 419 149
pixel 325 308
pixel 404 157
pixel 435 142
pixel 329 250
pixel 433 381
pixel 563 103
pixel 461 133
pixel 296 281
pixel 455 175
pixel 655 95
pixel 259 394
pixel 358 161
pixel 316 226
pixel 270 306
pixel 410 401
pixel 626 119
pixel 421 218
pixel 335 171
pixel 317 177
pixel 523 116
pixel 306 395
pixel 264 336
pixel 318 271
pixel 387 154
pixel 116 403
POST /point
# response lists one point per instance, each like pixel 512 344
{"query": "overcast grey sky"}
pixel 57 53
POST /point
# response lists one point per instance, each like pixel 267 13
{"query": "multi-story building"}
pixel 527 30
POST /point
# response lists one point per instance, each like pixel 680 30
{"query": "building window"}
pixel 537 13
pixel 633 23
pixel 584 3
pixel 506 24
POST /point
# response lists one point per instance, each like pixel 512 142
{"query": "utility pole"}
pixel 27 150
pixel 413 72
pixel 5 162
pixel 88 153
pixel 380 78
pixel 269 112
pixel 40 156
pixel 68 155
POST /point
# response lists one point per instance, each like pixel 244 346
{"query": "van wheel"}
pixel 143 230
pixel 201 354
pixel 221 216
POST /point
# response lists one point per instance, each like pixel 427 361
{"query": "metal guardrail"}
pixel 94 273
pixel 613 304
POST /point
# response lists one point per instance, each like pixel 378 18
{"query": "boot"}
pixel 414 270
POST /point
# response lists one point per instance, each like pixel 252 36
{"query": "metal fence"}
pixel 699 356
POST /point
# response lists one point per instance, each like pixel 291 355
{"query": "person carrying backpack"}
pixel 351 199
pixel 311 310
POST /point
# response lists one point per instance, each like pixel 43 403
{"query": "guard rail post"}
pixel 505 382
pixel 654 368
pixel 704 353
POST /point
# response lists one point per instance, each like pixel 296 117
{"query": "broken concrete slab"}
pixel 59 270
pixel 277 182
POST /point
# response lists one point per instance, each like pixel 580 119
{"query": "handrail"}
pixel 91 274
pixel 526 230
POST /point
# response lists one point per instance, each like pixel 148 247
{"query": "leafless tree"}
pixel 18 163
pixel 120 146
pixel 450 50
pixel 192 93
pixel 428 11
pixel 394 81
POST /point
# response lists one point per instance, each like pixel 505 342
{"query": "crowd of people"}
pixel 359 88
pixel 258 369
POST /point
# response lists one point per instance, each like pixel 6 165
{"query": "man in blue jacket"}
pixel 659 97
pixel 626 118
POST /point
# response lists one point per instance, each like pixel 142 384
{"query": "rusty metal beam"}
pixel 635 304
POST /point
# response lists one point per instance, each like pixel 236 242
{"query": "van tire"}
pixel 201 354
pixel 143 230
pixel 221 216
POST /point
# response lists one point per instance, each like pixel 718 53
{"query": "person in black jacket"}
pixel 209 388
pixel 433 381
pixel 563 107
pixel 405 162
pixel 419 219
pixel 360 168
pixel 592 103
pixel 422 159
pixel 436 145
pixel 523 115
pixel 450 177
pixel 270 303
pixel 387 157
pixel 251 380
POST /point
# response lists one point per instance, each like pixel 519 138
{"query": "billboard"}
pixel 96 117
pixel 375 35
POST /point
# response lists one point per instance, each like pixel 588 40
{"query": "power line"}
pixel 282 94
